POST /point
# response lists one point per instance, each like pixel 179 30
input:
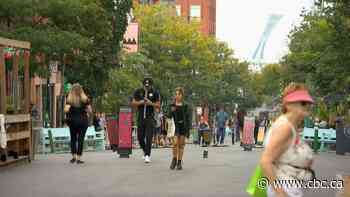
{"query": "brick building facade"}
pixel 202 10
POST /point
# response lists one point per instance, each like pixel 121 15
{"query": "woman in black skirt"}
pixel 77 109
pixel 181 113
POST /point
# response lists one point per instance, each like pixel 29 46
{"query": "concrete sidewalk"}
pixel 225 173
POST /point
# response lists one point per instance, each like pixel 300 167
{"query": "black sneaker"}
pixel 80 162
pixel 173 164
pixel 72 160
pixel 179 165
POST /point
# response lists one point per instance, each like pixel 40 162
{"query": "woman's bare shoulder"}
pixel 281 131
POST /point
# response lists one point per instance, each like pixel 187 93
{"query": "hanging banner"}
pixel 131 38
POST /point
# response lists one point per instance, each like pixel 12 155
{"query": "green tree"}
pixel 83 35
pixel 267 83
pixel 181 56
pixel 318 50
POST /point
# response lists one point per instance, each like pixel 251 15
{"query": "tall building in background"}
pixel 203 11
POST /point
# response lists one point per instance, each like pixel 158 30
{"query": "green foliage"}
pixel 319 50
pixel 125 82
pixel 83 35
pixel 267 83
pixel 176 54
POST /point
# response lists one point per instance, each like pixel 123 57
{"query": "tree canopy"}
pixel 83 35
pixel 319 50
pixel 175 53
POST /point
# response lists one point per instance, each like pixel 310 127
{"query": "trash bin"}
pixel 112 131
pixel 125 132
pixel 343 137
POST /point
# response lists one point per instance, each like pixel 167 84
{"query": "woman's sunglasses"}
pixel 305 104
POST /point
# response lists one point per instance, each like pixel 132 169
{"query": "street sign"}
pixel 53 66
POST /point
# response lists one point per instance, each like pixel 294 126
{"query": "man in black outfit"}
pixel 146 99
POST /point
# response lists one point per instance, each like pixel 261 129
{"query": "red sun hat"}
pixel 298 96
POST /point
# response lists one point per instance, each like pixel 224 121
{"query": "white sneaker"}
pixel 147 159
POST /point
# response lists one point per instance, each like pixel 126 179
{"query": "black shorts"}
pixel 157 131
pixel 179 129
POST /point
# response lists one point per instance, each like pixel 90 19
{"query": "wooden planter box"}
pixel 18 126
pixel 19 138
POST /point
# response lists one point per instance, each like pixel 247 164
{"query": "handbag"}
pixel 170 127
pixel 257 184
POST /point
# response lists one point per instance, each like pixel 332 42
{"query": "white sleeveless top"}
pixel 298 154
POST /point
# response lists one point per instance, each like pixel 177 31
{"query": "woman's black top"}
pixel 182 119
pixel 77 116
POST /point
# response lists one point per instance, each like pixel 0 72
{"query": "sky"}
pixel 241 23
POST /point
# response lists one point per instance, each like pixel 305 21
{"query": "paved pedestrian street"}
pixel 224 174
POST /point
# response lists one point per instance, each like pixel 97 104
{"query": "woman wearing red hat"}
pixel 286 157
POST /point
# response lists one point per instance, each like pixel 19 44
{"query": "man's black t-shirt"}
pixel 152 95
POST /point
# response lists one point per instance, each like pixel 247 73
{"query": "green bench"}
pixel 94 140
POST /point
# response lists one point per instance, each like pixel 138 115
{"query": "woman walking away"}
pixel 181 113
pixel 286 157
pixel 77 109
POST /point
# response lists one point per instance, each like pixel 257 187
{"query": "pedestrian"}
pixel 163 133
pixel 240 119
pixel 97 121
pixel 203 127
pixel 103 121
pixel 146 99
pixel 214 132
pixel 77 110
pixel 228 130
pixel 237 129
pixel 256 129
pixel 157 134
pixel 181 113
pixel 232 125
pixel 221 120
pixel 286 157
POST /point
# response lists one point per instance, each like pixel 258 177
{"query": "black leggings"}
pixel 77 136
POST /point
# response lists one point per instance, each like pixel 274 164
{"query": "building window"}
pixel 178 10
pixel 195 12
